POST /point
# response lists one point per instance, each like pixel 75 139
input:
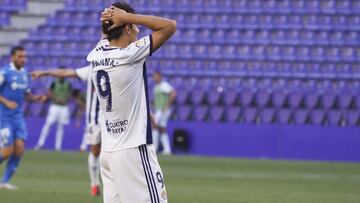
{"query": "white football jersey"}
pixel 119 77
pixel 92 114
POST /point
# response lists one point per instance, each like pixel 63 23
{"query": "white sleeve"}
pixel 2 78
pixel 140 49
pixel 83 73
pixel 166 88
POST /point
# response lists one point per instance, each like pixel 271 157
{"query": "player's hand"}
pixel 36 74
pixel 11 105
pixel 117 16
pixel 42 98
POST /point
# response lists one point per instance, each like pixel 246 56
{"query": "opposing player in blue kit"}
pixel 14 89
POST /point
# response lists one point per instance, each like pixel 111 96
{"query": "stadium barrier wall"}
pixel 327 143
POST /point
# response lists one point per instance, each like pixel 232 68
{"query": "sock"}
pixel 165 143
pixel 155 134
pixel 11 167
pixel 59 136
pixel 94 170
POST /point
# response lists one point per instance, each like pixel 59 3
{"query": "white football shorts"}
pixel 162 118
pixel 58 113
pixel 132 176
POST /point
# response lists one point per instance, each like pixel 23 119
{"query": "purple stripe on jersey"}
pixel 151 43
pixel 97 111
pixel 148 129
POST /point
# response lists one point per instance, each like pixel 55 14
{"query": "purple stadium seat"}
pixel 357 101
pixel 328 100
pixel 36 109
pixel 295 99
pixel 345 100
pixel 352 118
pixel 250 115
pixel 311 100
pixel 267 115
pixel 200 113
pixel 317 117
pixel 263 98
pixel 301 116
pixel 230 97
pixel 334 117
pixel 181 96
pixel 284 116
pixel 232 114
pixel 184 113
pixel 214 97
pixel 247 97
pixel 279 98
pixel 216 113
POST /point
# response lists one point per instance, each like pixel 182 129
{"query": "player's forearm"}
pixel 3 100
pixel 31 97
pixel 60 73
pixel 152 22
pixel 172 98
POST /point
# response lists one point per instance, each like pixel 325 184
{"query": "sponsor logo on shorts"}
pixel 116 126
pixel 163 194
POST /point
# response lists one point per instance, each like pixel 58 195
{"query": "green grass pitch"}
pixel 49 177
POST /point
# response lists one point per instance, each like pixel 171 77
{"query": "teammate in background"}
pixel 80 100
pixel 14 89
pixel 59 94
pixel 129 167
pixel 92 129
pixel 164 97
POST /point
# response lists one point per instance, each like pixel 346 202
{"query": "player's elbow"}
pixel 172 27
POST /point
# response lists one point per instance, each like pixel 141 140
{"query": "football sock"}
pixel 155 134
pixel 59 136
pixel 94 170
pixel 165 143
pixel 11 167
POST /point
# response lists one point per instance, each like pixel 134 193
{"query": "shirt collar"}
pixel 12 67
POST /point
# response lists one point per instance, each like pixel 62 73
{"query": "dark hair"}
pixel 119 31
pixel 15 49
pixel 62 67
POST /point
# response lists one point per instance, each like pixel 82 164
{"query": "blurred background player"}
pixel 92 129
pixel 59 94
pixel 164 96
pixel 129 167
pixel 80 100
pixel 14 89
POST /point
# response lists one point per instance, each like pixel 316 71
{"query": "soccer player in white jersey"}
pixel 129 167
pixel 92 129
pixel 164 97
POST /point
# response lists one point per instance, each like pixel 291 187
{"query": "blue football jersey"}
pixel 14 84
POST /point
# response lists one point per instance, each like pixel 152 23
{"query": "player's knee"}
pixel 162 129
pixel 7 152
pixel 19 147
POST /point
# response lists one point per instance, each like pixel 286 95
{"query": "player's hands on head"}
pixel 117 16
pixel 10 104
